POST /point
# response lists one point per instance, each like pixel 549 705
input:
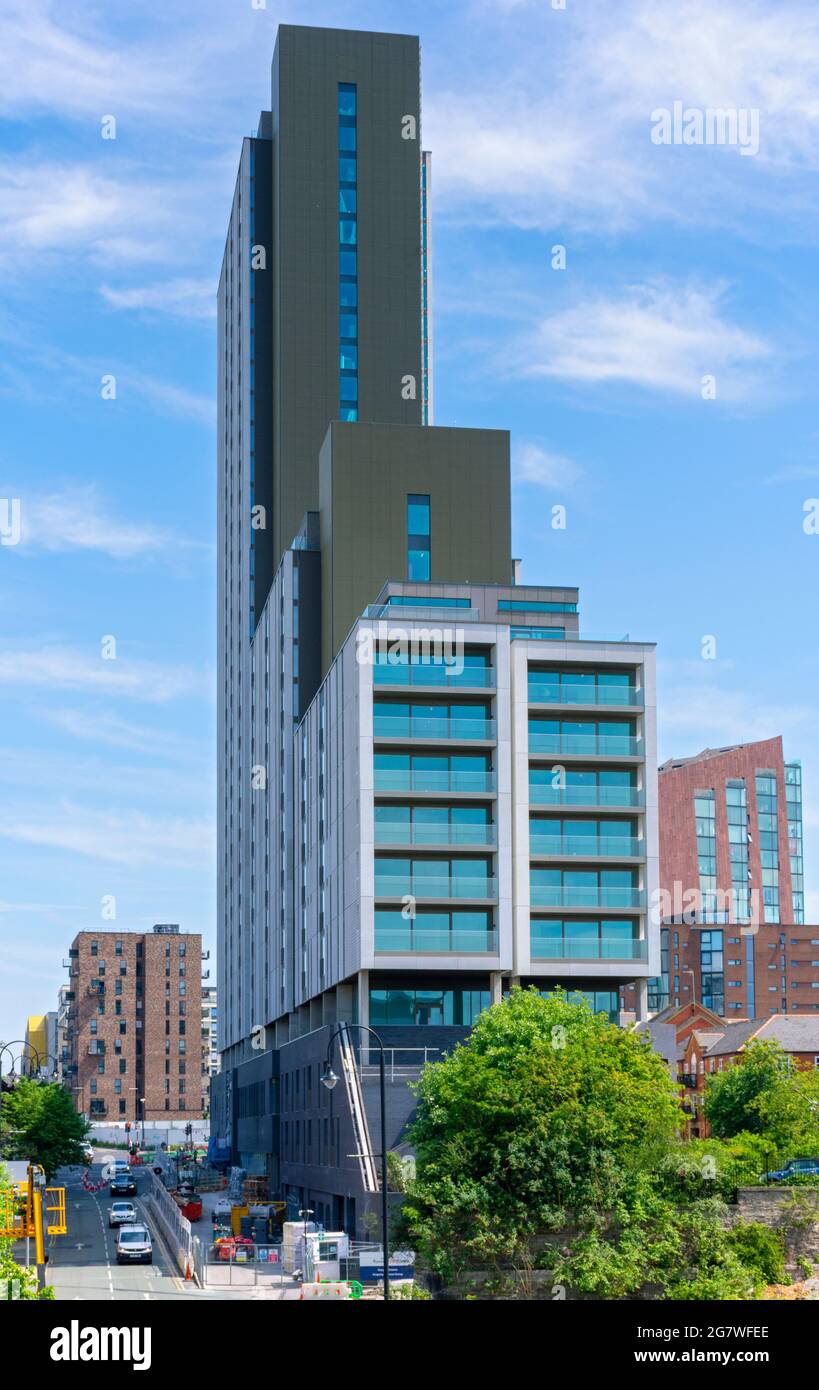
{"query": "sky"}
pixel 661 387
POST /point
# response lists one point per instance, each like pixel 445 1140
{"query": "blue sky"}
pixel 684 515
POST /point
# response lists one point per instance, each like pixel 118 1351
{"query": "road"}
pixel 83 1264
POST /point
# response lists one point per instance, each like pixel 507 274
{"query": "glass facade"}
pixel 705 813
pixel 712 970
pixel 736 806
pixel 615 939
pixel 793 795
pixel 433 772
pixel 418 537
pixel 402 1006
pixel 595 737
pixel 569 786
pixel 348 250
pixel 768 827
pixel 433 931
pixel 581 687
pixel 658 987
pixel 426 276
pixel 531 605
pixel 584 888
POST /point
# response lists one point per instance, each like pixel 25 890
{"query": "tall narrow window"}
pixel 348 250
pixel 418 533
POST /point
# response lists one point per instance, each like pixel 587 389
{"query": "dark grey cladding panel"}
pixel 308 66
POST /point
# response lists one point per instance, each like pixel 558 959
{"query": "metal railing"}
pixel 435 886
pixel 563 895
pixel 587 846
pixel 586 948
pixel 428 674
pixel 429 940
pixel 405 779
pixel 407 614
pixel 565 693
pixel 398 1061
pixel 423 833
pixel 587 745
pixel 621 798
pixel 419 726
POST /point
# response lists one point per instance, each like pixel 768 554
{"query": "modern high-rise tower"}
pixel 430 786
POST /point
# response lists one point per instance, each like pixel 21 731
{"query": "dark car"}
pixel 123 1185
pixel 794 1168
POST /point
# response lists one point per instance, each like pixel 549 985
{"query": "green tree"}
pixel 38 1122
pixel 764 1095
pixel 547 1115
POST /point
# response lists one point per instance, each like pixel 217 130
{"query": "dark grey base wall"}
pixel 306 1131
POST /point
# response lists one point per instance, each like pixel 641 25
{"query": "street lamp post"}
pixel 329 1079
pixel 6 1047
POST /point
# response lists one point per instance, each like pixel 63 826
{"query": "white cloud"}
pixel 94 726
pixel 114 837
pixel 192 299
pixel 75 519
pixel 655 337
pixel 52 667
pixel 572 97
pixel 51 208
pixel 532 464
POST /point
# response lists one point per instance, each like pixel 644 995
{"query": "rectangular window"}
pixel 418 537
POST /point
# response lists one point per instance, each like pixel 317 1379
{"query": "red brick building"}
pixel 133 1041
pixel 732 888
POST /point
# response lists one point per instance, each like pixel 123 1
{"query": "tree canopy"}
pixel 763 1094
pixel 548 1113
pixel 38 1121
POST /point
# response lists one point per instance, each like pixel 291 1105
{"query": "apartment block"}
pixel 133 1024
pixel 432 785
pixel 734 937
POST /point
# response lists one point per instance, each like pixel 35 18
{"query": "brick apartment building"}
pixel 133 1027
pixel 734 937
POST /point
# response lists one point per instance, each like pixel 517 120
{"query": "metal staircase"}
pixel 355 1098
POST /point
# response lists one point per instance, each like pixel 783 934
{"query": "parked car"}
pixel 123 1185
pixel 122 1214
pixel 88 1154
pixel 794 1168
pixel 134 1244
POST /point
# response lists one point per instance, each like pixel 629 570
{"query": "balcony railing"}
pixel 420 674
pixel 416 940
pixel 557 693
pixel 586 846
pixel 412 726
pixel 419 833
pixel 440 886
pixel 587 745
pixel 404 779
pixel 689 1079
pixel 561 895
pixel 586 948
pixel 405 615
pixel 623 798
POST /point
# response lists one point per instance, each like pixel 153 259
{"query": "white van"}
pixel 134 1245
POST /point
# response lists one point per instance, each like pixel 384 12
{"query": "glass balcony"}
pixel 406 779
pixel 567 693
pixel 602 846
pixel 541 794
pixel 434 886
pixel 419 833
pixel 410 940
pixel 585 947
pixel 407 614
pixel 419 726
pixel 587 745
pixel 440 676
pixel 561 895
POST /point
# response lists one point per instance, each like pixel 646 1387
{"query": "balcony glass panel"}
pixel 435 932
